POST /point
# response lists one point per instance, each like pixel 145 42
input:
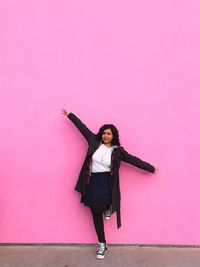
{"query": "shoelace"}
pixel 102 247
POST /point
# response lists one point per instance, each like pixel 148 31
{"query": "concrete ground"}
pixel 84 255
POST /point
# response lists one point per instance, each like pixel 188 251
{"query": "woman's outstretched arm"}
pixel 87 133
pixel 126 157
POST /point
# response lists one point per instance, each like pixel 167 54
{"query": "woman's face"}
pixel 107 136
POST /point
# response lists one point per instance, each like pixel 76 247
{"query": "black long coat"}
pixel 119 154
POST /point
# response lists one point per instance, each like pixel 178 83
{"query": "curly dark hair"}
pixel 115 140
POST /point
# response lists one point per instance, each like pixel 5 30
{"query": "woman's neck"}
pixel 108 145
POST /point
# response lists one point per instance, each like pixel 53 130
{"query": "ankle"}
pixel 104 241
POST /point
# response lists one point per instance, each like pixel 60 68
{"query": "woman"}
pixel 98 180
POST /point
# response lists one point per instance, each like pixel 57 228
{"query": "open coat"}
pixel 119 154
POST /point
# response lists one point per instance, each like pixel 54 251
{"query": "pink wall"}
pixel 133 63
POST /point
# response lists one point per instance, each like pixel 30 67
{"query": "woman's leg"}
pixel 98 208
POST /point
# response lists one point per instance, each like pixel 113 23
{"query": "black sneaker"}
pixel 102 251
pixel 107 215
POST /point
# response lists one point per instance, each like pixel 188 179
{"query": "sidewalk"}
pixel 80 255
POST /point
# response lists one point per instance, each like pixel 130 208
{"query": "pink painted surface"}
pixel 132 63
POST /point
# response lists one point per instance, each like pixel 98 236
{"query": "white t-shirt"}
pixel 101 159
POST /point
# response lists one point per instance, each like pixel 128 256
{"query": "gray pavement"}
pixel 84 255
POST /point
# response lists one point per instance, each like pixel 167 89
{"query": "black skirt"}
pixel 98 189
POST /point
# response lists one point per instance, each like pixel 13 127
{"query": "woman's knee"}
pixel 99 207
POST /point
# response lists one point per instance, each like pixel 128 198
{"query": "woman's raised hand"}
pixel 64 112
pixel 156 170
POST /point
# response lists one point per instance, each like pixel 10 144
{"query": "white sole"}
pixel 101 257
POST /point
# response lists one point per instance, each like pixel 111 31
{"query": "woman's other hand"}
pixel 156 170
pixel 64 112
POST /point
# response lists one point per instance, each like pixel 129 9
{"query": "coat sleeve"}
pixel 87 133
pixel 128 158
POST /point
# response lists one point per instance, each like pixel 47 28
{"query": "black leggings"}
pixel 98 208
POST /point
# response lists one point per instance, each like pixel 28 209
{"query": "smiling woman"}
pixel 107 137
pixel 98 181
